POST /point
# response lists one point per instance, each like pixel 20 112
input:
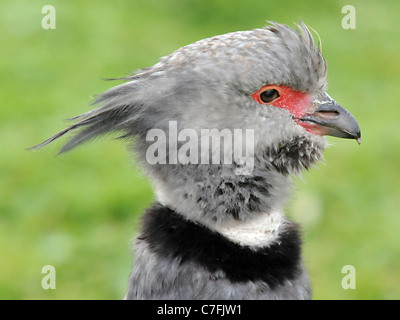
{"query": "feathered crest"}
pixel 116 111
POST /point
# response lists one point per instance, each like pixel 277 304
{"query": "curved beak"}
pixel 326 117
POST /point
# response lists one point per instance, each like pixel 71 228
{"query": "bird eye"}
pixel 269 95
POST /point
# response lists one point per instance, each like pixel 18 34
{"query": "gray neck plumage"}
pixel 241 207
pixel 226 230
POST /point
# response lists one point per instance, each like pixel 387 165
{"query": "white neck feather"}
pixel 261 231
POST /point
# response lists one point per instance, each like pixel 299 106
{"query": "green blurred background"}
pixel 80 211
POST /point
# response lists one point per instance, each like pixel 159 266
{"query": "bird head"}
pixel 270 80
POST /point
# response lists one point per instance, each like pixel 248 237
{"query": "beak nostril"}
pixel 327 115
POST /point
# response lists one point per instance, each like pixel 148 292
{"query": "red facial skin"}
pixel 307 113
pixel 296 102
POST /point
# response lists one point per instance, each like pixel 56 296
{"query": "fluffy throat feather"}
pixel 293 155
pixel 216 196
pixel 171 236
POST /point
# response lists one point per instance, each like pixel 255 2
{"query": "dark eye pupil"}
pixel 269 95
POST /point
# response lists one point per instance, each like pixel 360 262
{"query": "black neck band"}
pixel 169 234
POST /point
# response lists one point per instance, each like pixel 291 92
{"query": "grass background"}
pixel 79 211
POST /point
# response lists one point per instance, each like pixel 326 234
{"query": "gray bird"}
pixel 221 126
